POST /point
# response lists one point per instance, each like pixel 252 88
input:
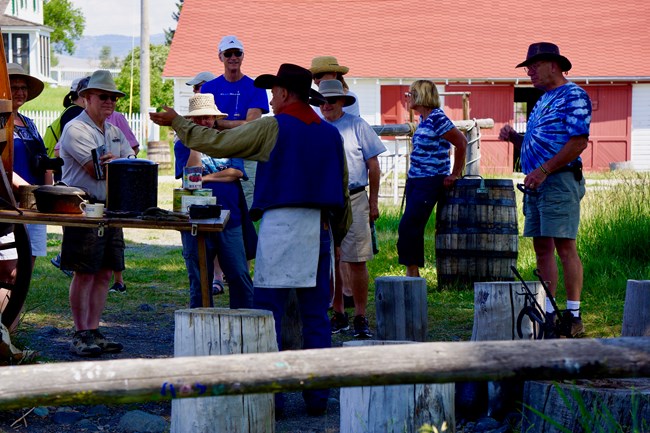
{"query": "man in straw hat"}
pixel 93 258
pixel 557 133
pixel 301 193
pixel 222 177
pixel 328 68
pixel 362 146
pixel 30 165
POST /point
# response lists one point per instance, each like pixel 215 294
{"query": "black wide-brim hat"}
pixel 291 77
pixel 545 51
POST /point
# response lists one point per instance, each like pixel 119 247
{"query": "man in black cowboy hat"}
pixel 301 192
pixel 557 133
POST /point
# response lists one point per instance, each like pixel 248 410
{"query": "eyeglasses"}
pixel 319 76
pixel 229 54
pixel 534 66
pixel 104 96
pixel 19 88
pixel 332 100
pixel 408 94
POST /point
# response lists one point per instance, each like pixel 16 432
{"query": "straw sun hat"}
pixel 202 104
pixel 34 85
pixel 327 64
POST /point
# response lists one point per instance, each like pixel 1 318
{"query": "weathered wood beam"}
pixel 405 129
pixel 131 380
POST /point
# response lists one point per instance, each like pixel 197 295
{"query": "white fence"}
pixel 43 119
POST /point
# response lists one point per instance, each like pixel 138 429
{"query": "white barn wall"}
pixel 641 126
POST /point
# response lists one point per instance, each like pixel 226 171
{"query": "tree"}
pixel 68 24
pixel 162 93
pixel 105 59
pixel 169 33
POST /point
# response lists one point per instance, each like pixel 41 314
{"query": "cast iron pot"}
pixel 131 185
pixel 59 198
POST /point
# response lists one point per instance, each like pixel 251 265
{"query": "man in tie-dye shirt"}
pixel 557 133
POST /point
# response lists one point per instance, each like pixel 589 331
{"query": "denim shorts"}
pixel 555 211
pixel 84 251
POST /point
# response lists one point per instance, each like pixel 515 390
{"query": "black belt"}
pixel 576 169
pixel 354 191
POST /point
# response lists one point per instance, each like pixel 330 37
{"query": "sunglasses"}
pixel 229 54
pixel 104 96
pixel 319 76
pixel 332 100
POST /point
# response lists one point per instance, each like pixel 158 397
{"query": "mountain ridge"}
pixel 89 47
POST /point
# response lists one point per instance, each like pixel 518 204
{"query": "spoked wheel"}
pixel 13 297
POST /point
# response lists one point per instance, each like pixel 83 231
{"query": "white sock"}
pixel 549 306
pixel 574 307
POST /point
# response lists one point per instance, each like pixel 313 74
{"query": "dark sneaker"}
pixel 106 345
pixel 83 344
pixel 316 410
pixel 550 330
pixel 361 329
pixel 217 287
pixel 118 288
pixel 340 322
pixel 577 328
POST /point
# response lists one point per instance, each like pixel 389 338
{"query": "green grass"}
pixel 50 100
pixel 614 244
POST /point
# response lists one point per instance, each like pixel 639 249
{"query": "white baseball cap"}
pixel 201 77
pixel 229 43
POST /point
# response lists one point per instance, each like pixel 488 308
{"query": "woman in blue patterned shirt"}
pixel 430 171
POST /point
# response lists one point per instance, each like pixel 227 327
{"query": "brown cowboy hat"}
pixel 545 51
pixel 291 77
pixel 35 86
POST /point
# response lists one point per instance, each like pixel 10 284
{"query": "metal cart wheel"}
pixel 16 293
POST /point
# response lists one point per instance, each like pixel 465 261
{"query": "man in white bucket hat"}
pixel 222 176
pixel 93 258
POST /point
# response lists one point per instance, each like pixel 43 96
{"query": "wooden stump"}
pixel 636 313
pixel 609 403
pixel 396 408
pixel 220 331
pixel 496 308
pixel 401 308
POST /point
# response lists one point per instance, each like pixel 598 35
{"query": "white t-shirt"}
pixel 361 143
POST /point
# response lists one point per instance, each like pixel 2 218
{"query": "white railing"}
pixel 43 119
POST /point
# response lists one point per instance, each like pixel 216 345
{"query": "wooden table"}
pixel 197 227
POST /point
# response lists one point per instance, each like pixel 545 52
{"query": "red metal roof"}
pixel 481 39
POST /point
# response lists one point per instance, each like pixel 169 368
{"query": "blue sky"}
pixel 122 17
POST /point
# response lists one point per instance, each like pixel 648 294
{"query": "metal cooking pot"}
pixel 59 198
pixel 131 185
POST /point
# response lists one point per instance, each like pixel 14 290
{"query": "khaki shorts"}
pixel 357 244
pixel 555 211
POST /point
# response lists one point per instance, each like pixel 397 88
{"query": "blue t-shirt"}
pixel 430 156
pixel 560 114
pixel 235 99
pixel 227 193
pixel 27 144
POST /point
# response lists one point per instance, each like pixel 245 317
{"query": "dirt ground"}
pixel 135 330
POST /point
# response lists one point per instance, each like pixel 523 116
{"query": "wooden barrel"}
pixel 221 331
pixel 476 232
pixel 158 152
pixel 396 408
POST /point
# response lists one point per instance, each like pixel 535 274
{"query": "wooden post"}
pixel 636 313
pixel 220 331
pixel 401 308
pixel 396 408
pixel 611 404
pixel 496 308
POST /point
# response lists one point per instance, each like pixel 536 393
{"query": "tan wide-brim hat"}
pixel 202 104
pixel 102 80
pixel 35 86
pixel 327 64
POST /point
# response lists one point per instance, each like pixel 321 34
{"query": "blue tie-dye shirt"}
pixel 560 114
pixel 430 156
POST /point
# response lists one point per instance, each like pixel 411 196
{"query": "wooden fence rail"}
pixel 135 380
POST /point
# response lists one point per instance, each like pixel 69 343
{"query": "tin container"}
pixel 193 177
pixel 204 192
pixel 178 198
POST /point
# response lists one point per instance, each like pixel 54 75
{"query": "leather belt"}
pixel 354 191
